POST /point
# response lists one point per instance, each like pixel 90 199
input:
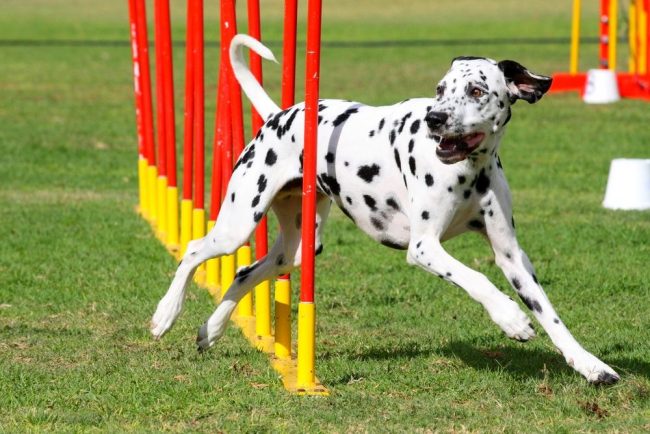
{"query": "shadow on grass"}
pixel 522 362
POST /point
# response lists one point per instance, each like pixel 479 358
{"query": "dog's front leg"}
pixel 519 271
pixel 427 252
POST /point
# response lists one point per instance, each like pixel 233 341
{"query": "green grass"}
pixel 80 272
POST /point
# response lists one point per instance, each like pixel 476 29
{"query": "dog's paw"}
pixel 164 317
pixel 514 322
pixel 594 370
pixel 209 333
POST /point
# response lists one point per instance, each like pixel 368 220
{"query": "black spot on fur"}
pixel 232 197
pixel 378 224
pixel 318 250
pixel 348 199
pixel 244 272
pixel 461 179
pixel 392 244
pixel 371 133
pixel 516 284
pixel 482 182
pixel 300 158
pixel 403 122
pixel 535 279
pixel 261 183
pixel 415 126
pixel 258 216
pixel 329 157
pixel 508 118
pixel 367 173
pixel 467 194
pixel 556 320
pixel 425 215
pixel 531 304
pixel 412 165
pixel 397 160
pixel 370 201
pixel 279 261
pixel 331 183
pixel 344 116
pixel 411 145
pixel 256 201
pixel 391 137
pixel 271 157
pixel 392 203
pixel 428 179
pixel 381 124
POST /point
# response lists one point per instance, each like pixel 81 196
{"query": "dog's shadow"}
pixel 520 361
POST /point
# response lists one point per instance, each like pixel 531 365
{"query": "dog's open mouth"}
pixel 452 149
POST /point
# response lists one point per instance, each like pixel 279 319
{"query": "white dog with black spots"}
pixel 410 175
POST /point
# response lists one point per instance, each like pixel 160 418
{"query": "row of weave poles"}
pixel 158 186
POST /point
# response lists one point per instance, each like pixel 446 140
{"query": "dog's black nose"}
pixel 435 119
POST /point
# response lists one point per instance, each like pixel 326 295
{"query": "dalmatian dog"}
pixel 410 175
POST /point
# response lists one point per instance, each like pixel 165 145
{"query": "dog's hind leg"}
pixel 284 255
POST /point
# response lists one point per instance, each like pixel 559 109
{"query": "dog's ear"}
pixel 523 84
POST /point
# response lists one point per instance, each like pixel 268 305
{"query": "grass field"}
pixel 80 272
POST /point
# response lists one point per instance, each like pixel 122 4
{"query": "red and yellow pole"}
pixel 225 112
pixel 188 135
pixel 306 310
pixel 262 290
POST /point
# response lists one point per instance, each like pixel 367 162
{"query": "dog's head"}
pixel 473 102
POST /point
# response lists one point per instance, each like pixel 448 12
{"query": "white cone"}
pixel 628 185
pixel 601 87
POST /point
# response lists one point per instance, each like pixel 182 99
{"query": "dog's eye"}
pixel 440 90
pixel 476 92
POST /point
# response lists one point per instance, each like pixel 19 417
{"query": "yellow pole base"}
pixel 245 306
pixel 161 201
pixel 283 318
pixel 186 224
pixel 306 345
pixel 198 231
pixel 212 272
pixel 172 220
pixel 227 273
pixel 152 176
pixel 263 309
pixel 142 188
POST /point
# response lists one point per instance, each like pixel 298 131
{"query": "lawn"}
pixel 81 272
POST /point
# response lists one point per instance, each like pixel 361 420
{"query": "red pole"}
pixel 168 93
pixel 219 144
pixel 289 60
pixel 289 53
pixel 604 34
pixel 255 30
pixel 188 116
pixel 143 57
pixel 137 86
pixel 199 104
pixel 235 92
pixel 311 137
pixel 160 97
pixel 225 111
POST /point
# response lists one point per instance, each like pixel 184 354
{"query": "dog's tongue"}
pixel 461 143
pixel 473 139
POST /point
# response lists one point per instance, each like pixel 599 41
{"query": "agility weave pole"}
pixel 632 84
pixel 158 187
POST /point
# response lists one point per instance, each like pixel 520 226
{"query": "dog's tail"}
pixel 253 90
